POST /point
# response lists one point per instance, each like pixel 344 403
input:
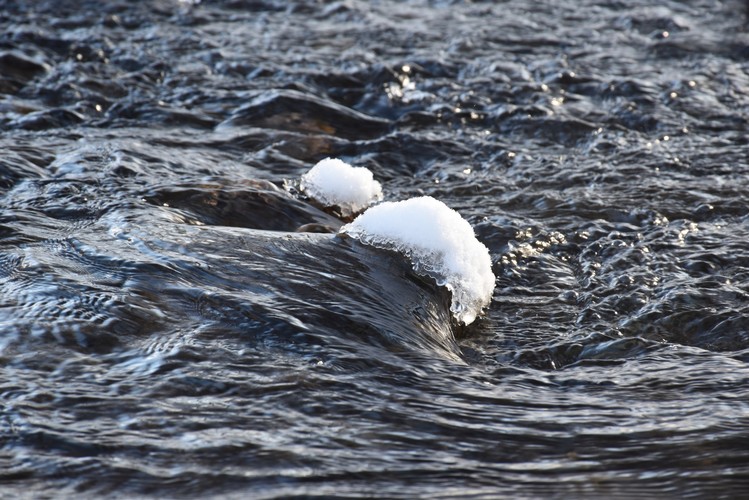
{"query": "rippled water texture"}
pixel 175 322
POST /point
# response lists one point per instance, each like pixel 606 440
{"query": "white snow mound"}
pixel 439 243
pixel 334 182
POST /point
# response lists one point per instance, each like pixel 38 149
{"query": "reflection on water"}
pixel 165 329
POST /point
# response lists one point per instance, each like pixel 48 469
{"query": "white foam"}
pixel 439 242
pixel 334 182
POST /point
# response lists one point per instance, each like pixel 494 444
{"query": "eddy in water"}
pixel 400 275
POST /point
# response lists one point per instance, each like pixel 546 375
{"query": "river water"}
pixel 166 331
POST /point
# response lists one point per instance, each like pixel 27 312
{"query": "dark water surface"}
pixel 164 331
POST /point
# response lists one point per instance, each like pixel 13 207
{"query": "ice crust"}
pixel 334 182
pixel 439 243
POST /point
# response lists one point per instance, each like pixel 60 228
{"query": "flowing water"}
pixel 166 331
